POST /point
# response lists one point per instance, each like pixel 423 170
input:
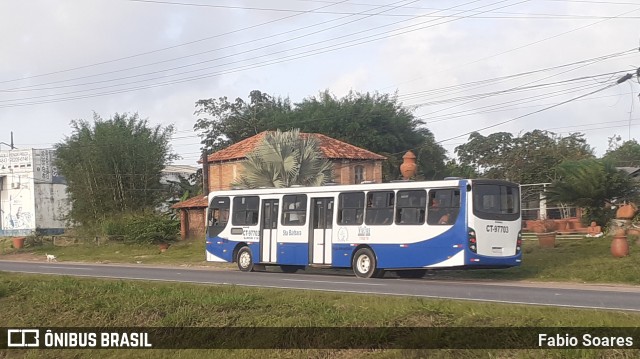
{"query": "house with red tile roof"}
pixel 351 165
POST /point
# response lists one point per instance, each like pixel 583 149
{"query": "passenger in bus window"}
pixel 444 219
pixel 214 217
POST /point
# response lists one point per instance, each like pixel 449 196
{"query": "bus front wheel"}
pixel 245 259
pixel 364 264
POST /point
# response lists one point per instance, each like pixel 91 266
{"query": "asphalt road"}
pixel 625 298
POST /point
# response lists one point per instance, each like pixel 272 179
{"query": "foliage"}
pixel 184 188
pixel 113 166
pixel 594 185
pixel 146 227
pixel 223 123
pixel 530 158
pixel 284 159
pixel 376 122
pixel 626 154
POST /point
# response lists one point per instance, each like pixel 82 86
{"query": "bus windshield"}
pixel 496 201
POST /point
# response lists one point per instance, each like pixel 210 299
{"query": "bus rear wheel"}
pixel 245 259
pixel 364 264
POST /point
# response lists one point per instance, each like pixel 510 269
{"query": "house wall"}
pixel 344 171
pixel 222 174
pixel 196 223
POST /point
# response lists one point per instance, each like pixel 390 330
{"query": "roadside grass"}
pixel 587 260
pixel 60 301
pixel 186 253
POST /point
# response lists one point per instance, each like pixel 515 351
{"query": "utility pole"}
pixel 205 172
pixel 10 145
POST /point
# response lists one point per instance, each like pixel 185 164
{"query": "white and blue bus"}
pixel 408 227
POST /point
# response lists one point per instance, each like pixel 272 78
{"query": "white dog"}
pixel 51 258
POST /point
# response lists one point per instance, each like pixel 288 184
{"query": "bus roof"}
pixel 352 187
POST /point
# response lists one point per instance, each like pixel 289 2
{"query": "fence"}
pixel 534 205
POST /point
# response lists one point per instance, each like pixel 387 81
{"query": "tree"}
pixel 113 166
pixel 223 123
pixel 285 159
pixel 376 122
pixel 626 154
pixel 592 184
pixel 530 158
pixel 185 187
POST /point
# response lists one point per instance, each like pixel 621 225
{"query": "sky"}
pixel 460 66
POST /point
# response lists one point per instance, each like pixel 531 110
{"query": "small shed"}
pixel 192 221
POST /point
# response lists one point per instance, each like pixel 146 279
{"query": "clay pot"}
pixel 619 247
pixel 619 232
pixel 408 167
pixel 561 224
pixel 18 242
pixel 547 240
pixel 626 211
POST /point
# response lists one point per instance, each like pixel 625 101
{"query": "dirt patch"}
pixel 24 256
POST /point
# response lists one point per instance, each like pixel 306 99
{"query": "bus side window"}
pixel 444 206
pixel 245 211
pixel 294 210
pixel 410 207
pixel 380 208
pixel 350 208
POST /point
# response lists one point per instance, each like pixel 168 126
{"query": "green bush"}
pixel 142 227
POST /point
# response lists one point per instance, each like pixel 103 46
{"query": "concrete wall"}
pixel 32 193
pixel 17 208
pixel 52 206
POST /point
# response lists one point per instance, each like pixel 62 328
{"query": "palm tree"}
pixel 593 185
pixel 284 159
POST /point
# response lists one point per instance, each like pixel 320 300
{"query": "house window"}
pixel 358 174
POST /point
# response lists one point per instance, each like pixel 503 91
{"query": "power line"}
pixel 171 47
pixel 246 67
pixel 30 87
pixel 529 44
pixel 537 111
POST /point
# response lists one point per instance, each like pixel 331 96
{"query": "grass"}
pixel 186 253
pixel 52 301
pixel 587 260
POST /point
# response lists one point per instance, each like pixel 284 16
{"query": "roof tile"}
pixel 330 147
pixel 194 202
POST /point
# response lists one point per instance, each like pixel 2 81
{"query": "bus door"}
pixel 321 230
pixel 269 235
